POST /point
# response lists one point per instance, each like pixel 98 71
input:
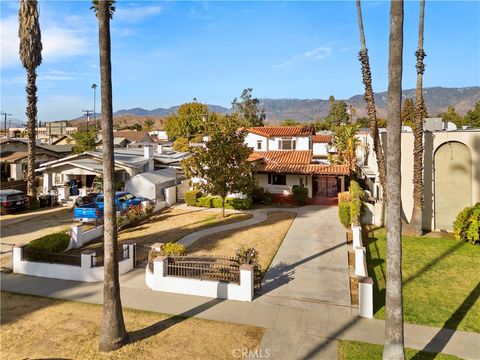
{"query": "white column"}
pixel 357 236
pixel 246 282
pixel 365 297
pixel 16 171
pixel 47 182
pixel 360 262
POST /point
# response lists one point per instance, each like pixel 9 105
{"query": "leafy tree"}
pixel 188 121
pixel 181 144
pixel 84 141
pixel 394 333
pixel 148 125
pixel 337 113
pixel 363 122
pixel 113 334
pixel 289 122
pixel 452 116
pixel 321 125
pixel 223 164
pixel 408 112
pixel 473 116
pixel 247 108
pixel 31 57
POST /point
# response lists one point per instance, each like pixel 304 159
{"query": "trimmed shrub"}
pixel 55 242
pixel 135 215
pixel 356 211
pixel 466 226
pixel 238 204
pixel 171 249
pixel 205 201
pixel 192 196
pixel 356 191
pixel 246 255
pixel 261 196
pixel 344 213
pixel 300 194
pixel 344 197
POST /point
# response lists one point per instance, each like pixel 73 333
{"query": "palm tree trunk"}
pixel 31 131
pixel 415 226
pixel 370 100
pixel 113 334
pixel 394 333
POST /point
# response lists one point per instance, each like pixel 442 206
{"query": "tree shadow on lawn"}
pixel 375 261
pixel 162 325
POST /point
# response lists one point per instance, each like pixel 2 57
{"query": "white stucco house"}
pixel 451 174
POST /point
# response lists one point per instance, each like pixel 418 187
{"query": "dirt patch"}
pixel 37 327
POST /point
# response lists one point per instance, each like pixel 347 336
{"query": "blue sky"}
pixel 167 53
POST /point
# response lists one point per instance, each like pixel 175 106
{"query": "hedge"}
pixel 261 196
pixel 192 196
pixel 300 194
pixel 466 226
pixel 230 203
pixel 344 213
pixel 356 190
pixel 356 211
pixel 344 197
pixel 205 201
pixel 56 242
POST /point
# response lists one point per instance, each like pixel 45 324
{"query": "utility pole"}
pixel 5 123
pixel 87 112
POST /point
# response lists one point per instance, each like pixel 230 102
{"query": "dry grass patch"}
pixel 37 327
pixel 171 225
pixel 265 237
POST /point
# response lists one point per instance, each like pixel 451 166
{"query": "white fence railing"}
pixel 365 283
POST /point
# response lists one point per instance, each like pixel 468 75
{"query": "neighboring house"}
pixel 153 185
pixel 64 140
pixel 84 167
pixel 451 174
pixel 13 157
pixel 129 138
pixel 120 142
pixel 289 156
pixel 48 133
pixel 280 171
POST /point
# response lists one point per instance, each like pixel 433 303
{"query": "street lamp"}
pixel 94 87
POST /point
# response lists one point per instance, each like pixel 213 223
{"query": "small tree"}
pixel 148 125
pixel 84 141
pixel 248 109
pixel 223 164
pixel 188 121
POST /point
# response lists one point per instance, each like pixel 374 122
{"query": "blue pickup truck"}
pixel 94 210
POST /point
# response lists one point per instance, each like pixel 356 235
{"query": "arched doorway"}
pixel 453 182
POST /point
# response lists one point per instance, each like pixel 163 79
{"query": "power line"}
pixel 88 113
pixel 5 122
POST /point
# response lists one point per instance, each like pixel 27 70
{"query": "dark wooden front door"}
pixel 327 186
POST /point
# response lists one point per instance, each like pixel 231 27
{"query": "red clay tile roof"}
pixel 303 169
pixel 132 135
pixel 283 156
pixel 322 138
pixel 294 162
pixel 274 131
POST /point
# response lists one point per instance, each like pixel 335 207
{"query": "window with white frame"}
pixel 286 144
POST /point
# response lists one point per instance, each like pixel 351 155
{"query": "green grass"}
pixel 441 280
pixel 353 350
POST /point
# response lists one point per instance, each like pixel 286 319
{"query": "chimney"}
pixel 160 149
pixel 148 151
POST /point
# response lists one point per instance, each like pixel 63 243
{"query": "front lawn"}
pixel 354 350
pixel 265 237
pixel 441 280
pixel 38 327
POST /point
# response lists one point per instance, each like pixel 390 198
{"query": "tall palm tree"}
pixel 31 57
pixel 415 226
pixel 394 334
pixel 370 99
pixel 347 142
pixel 113 334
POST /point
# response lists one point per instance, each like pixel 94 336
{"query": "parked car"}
pixel 94 210
pixel 87 199
pixel 13 200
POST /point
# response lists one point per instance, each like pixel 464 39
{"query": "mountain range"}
pixel 437 99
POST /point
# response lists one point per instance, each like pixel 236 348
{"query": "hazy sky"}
pixel 167 53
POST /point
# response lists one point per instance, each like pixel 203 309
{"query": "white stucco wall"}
pixel 302 142
pixel 251 141
pixel 84 273
pixel 286 189
pixel 158 281
pixel 320 149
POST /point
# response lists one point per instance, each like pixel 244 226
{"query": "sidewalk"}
pixel 302 330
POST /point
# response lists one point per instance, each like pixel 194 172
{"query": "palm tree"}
pixel 394 334
pixel 113 334
pixel 31 57
pixel 370 99
pixel 415 226
pixel 347 142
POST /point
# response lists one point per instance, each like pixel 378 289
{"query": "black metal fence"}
pixel 51 257
pixel 99 258
pixel 204 268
